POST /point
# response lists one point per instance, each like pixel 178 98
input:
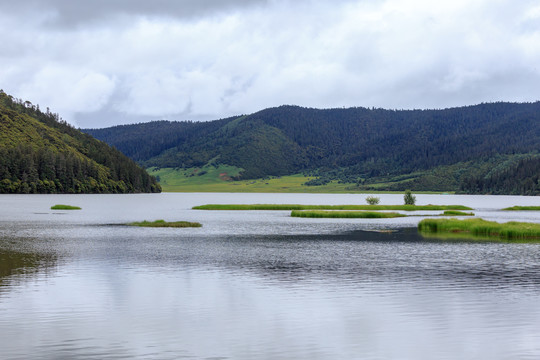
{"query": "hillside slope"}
pixel 520 177
pixel 352 145
pixel 40 154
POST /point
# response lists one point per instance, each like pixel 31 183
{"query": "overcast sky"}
pixel 105 62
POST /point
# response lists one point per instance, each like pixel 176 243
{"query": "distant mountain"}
pixel 39 153
pixel 353 145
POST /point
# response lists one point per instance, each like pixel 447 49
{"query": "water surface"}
pixel 258 285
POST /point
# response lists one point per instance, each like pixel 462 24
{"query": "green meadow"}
pixel 219 178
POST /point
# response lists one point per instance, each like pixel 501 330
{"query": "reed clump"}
pixel 482 228
pixel 344 214
pixel 64 207
pixel 163 223
pixel 327 207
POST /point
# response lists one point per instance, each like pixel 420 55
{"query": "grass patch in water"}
pixel 457 213
pixel 327 207
pixel 163 223
pixel 344 214
pixel 481 228
pixel 65 207
pixel 523 208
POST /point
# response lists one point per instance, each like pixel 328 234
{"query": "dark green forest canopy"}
pixel 41 153
pixel 521 178
pixel 469 149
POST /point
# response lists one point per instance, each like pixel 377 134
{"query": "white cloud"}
pixel 216 59
pixel 68 90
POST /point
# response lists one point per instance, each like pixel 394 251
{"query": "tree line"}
pixel 24 169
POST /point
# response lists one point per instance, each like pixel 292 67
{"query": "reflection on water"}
pixel 359 294
pixel 18 266
pixel 258 286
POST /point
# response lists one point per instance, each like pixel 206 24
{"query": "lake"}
pixel 259 284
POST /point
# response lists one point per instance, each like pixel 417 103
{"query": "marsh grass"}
pixel 481 228
pixel 327 207
pixel 163 223
pixel 457 213
pixel 523 208
pixel 344 214
pixel 64 207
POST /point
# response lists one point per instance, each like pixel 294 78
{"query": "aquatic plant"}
pixel 457 213
pixel 64 207
pixel 163 223
pixel 523 208
pixel 481 228
pixel 327 207
pixel 344 214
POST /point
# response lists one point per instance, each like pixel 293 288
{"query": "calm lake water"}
pixel 259 285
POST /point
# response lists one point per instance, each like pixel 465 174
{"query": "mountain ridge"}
pixel 354 144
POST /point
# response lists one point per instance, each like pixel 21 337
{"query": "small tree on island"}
pixel 409 198
pixel 372 200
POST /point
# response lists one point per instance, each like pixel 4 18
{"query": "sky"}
pixel 107 62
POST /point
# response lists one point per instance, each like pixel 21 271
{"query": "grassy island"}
pixel 457 213
pixel 327 207
pixel 482 228
pixel 523 208
pixel 163 223
pixel 347 214
pixel 65 207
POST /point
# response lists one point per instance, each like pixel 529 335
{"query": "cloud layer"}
pixel 107 62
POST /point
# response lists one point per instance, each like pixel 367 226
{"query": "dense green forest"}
pixel 519 178
pixel 441 150
pixel 41 153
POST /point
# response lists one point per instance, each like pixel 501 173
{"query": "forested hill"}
pixel 358 143
pixel 40 153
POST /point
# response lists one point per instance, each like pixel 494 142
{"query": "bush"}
pixel 409 198
pixel 373 200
